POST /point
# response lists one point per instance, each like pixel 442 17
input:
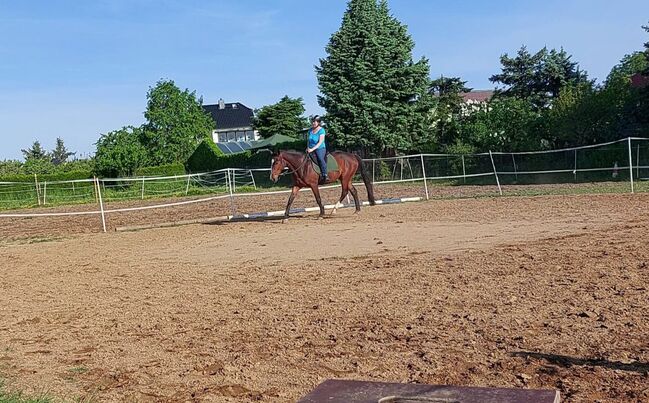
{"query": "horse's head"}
pixel 277 165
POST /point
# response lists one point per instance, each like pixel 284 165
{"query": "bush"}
pixel 205 157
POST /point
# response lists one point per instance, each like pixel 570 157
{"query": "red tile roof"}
pixel 639 81
pixel 477 96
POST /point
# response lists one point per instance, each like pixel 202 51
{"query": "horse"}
pixel 303 175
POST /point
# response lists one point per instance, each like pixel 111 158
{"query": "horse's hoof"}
pixel 285 221
pixel 320 217
pixel 357 212
pixel 333 212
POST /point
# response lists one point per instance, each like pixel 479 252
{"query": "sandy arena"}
pixel 526 292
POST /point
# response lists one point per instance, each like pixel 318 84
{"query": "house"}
pixel 639 81
pixel 233 122
pixel 477 97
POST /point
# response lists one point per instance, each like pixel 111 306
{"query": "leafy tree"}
pixel 35 152
pixel 503 124
pixel 176 123
pixel 120 152
pixel 630 64
pixel 446 116
pixel 646 49
pixel 60 154
pixel 537 77
pixel 10 167
pixel 285 117
pixel 375 95
pixel 38 166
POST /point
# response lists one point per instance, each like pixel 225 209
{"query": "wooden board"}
pixel 340 391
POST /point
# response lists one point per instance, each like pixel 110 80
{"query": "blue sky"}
pixel 76 69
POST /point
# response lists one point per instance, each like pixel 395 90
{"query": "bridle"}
pixel 291 172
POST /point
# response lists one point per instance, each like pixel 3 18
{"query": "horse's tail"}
pixel 368 182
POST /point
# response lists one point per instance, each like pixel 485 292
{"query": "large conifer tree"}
pixel 374 93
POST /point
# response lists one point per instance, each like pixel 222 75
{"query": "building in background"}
pixel 233 122
pixel 477 96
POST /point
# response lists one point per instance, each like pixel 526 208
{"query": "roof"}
pixel 639 81
pixel 231 115
pixel 234 147
pixel 273 140
pixel 477 96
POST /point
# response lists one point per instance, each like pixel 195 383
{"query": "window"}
pixel 231 136
pixel 223 137
pixel 250 135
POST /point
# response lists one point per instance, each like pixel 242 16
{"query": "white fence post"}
pixel 373 166
pixel 187 188
pixel 423 171
pixel 463 169
pixel 232 206
pixel 143 188
pixel 44 193
pixel 637 162
pixel 38 189
pixel 253 179
pixel 495 173
pixel 575 170
pixel 630 164
pixel 101 204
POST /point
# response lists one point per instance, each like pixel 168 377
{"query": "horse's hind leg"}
pixel 357 202
pixel 345 190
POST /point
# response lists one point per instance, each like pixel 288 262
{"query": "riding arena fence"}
pixel 613 167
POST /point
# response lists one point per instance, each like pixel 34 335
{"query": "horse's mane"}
pixel 291 152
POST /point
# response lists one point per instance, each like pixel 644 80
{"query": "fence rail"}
pixel 620 161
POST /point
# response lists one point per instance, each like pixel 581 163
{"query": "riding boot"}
pixel 323 180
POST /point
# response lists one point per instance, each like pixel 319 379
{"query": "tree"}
pixel 447 114
pixel 537 78
pixel 60 154
pixel 646 50
pixel 176 123
pixel 35 152
pixel 507 124
pixel 375 95
pixel 120 152
pixel 284 117
pixel 630 64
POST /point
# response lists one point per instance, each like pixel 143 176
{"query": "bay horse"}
pixel 303 175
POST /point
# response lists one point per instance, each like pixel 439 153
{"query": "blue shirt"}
pixel 315 137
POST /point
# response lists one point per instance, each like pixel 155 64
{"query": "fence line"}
pixel 412 168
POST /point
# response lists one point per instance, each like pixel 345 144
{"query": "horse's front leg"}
pixel 316 193
pixel 294 192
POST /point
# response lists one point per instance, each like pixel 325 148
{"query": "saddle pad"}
pixel 332 164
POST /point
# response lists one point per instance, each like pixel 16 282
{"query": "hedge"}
pixel 64 176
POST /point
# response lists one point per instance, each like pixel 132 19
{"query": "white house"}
pixel 233 122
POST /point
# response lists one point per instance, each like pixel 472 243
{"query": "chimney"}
pixel 221 104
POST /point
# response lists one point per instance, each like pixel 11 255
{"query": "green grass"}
pixel 19 397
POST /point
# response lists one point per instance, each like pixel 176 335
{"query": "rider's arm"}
pixel 320 141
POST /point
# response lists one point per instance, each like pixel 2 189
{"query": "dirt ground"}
pixel 526 292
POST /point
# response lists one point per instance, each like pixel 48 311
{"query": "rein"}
pixel 291 172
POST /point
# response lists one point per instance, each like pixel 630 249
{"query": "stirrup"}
pixel 322 180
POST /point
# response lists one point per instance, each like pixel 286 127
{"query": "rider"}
pixel 316 143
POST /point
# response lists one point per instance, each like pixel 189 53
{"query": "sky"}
pixel 77 69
